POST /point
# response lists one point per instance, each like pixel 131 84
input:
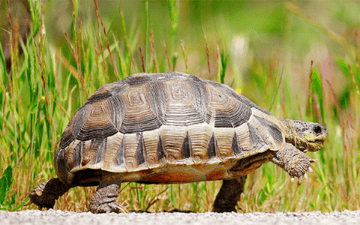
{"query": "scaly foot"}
pixel 104 199
pixel 45 194
pixel 295 162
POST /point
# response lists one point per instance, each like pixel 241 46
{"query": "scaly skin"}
pixel 104 199
pixel 45 194
pixel 295 162
pixel 305 135
pixel 229 195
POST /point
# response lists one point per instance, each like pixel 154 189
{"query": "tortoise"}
pixel 173 128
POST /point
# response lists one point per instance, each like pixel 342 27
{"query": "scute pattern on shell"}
pixel 162 124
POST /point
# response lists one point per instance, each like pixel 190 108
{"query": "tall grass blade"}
pixel 277 90
pixel 185 57
pixel 75 10
pixel 173 6
pixel 113 18
pixel 26 200
pixel 355 80
pixel 3 65
pixel 168 58
pixel 317 88
pixel 147 19
pixel 350 74
pixel 224 57
pixel 122 65
pixel 127 43
pixel 153 51
pixel 5 183
pixel 35 16
pixel 207 53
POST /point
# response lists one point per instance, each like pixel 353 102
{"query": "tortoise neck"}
pixel 290 136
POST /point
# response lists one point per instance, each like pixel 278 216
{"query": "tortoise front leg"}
pixel 229 195
pixel 295 162
pixel 45 194
pixel 104 199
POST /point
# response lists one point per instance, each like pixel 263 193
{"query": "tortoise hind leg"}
pixel 104 199
pixel 229 195
pixel 45 194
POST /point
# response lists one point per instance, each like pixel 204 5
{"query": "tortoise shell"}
pixel 164 128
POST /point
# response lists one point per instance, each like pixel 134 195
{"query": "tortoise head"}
pixel 305 135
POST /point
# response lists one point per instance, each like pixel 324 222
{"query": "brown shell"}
pixel 164 128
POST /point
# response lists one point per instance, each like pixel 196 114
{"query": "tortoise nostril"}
pixel 317 129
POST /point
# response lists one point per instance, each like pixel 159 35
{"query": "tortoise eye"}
pixel 317 129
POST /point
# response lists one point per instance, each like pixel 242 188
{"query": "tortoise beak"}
pixel 317 144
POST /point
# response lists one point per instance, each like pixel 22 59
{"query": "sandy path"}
pixel 52 217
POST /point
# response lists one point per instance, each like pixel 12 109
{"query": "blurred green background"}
pixel 250 32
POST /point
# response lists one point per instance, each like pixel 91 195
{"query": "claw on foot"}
pixel 311 170
pixel 295 162
pixel 300 179
pixel 108 208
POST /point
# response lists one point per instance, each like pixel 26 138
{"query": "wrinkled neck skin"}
pixel 292 137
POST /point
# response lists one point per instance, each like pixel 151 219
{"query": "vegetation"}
pixel 280 71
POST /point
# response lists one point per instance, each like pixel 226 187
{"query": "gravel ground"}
pixel 52 217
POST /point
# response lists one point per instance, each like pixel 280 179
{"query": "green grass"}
pixel 50 82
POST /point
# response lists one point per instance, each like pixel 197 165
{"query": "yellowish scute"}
pixel 113 145
pixel 244 142
pixel 200 135
pixel 131 144
pixel 70 155
pixel 224 137
pixel 170 139
pixel 151 142
pixel 274 145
